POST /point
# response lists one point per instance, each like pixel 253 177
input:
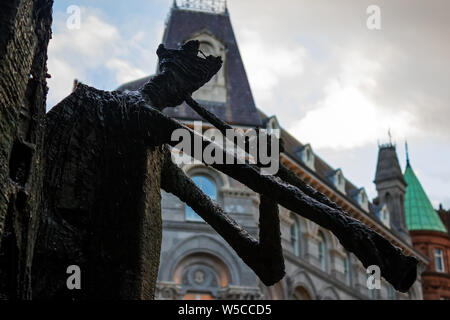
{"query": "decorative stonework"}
pixel 237 193
pixel 240 293
pixel 167 291
pixel 213 6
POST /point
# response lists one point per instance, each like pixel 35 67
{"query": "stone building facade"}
pixel 196 263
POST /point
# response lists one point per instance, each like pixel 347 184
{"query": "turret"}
pixel 391 187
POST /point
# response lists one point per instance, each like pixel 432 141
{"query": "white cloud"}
pixel 61 82
pixel 96 49
pixel 93 40
pixel 347 116
pixel 268 66
pixel 124 71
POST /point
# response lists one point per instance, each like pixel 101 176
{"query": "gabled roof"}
pixel 420 214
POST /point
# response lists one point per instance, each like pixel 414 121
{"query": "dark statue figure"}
pixel 107 156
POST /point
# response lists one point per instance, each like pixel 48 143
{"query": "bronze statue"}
pixel 101 208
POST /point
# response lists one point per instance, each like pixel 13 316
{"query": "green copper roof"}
pixel 420 214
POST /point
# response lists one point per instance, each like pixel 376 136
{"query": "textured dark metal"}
pixel 181 72
pixel 24 35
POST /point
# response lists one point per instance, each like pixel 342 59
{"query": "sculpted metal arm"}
pixel 286 189
pixel 265 257
pixel 369 246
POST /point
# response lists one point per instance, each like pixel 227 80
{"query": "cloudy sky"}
pixel 331 80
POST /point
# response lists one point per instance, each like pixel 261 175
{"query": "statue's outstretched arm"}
pixel 178 68
pixel 265 256
pixel 370 247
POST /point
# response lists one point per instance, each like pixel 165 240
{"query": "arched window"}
pixel 200 276
pixel 323 251
pixel 208 187
pixel 387 198
pixel 348 270
pixel 301 293
pixel 295 237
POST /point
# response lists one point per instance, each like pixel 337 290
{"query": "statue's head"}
pixel 184 71
pixel 187 63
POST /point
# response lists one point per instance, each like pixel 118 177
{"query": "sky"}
pixel 331 80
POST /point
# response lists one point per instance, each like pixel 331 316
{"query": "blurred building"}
pixel 430 236
pixel 197 264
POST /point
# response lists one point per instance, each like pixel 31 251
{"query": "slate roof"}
pixel 388 167
pixel 420 214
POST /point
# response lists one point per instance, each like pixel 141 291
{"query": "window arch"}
pixel 208 186
pixel 201 275
pixel 323 252
pixel 296 237
pixel 388 198
pixel 300 293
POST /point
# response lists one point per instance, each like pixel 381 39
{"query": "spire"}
pixel 391 187
pixel 388 167
pixel 420 214
pixel 407 154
